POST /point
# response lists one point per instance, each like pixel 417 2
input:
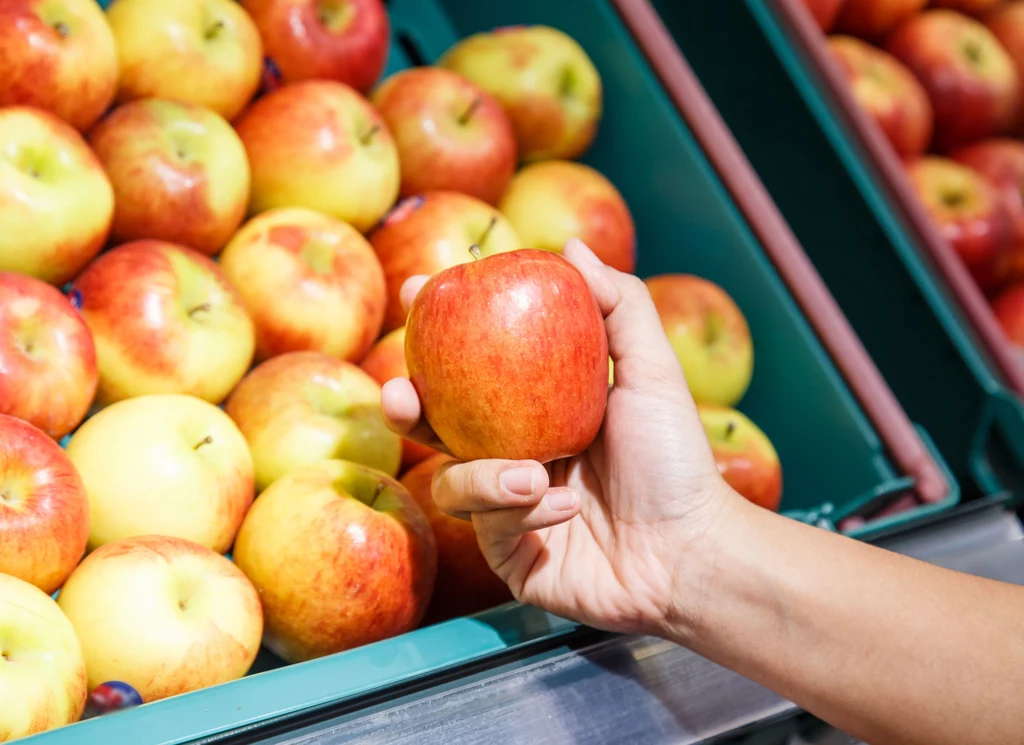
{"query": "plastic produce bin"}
pixel 841 188
pixel 846 445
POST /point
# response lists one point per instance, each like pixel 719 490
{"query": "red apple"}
pixel 978 8
pixel 482 343
pixel 971 80
pixel 57 55
pixel 1009 309
pixel 465 582
pixel 967 211
pixel 451 135
pixel 1007 24
pixel 888 92
pixel 874 19
pixel 825 12
pixel 44 511
pixel 430 232
pixel 343 40
pixel 744 454
pixel 48 370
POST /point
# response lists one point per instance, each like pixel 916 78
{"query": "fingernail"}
pixel 518 481
pixel 560 500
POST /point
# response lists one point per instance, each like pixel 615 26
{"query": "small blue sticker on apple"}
pixel 113 695
pixel 76 299
pixel 270 77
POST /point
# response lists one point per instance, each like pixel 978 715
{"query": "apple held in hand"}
pixel 874 19
pixel 548 203
pixel 42 671
pixel 58 55
pixel 304 407
pixel 164 615
pixel 544 80
pixel 56 202
pixel 509 356
pixel 341 555
pixel 430 232
pixel 319 144
pixel 204 52
pixel 179 173
pixel 451 135
pixel 744 454
pixel 825 12
pixel 48 373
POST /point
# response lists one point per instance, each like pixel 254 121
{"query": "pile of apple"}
pixel 207 210
pixel 944 80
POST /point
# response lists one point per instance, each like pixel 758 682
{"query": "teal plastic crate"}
pixel 835 456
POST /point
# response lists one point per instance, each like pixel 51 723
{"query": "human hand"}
pixel 611 537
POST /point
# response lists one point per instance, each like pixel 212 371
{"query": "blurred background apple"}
pixel 745 456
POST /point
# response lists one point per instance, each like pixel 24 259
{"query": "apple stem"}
pixel 208 440
pixel 204 307
pixel 365 139
pixel 730 427
pixel 214 29
pixel 468 113
pixel 474 251
pixel 62 29
pixel 475 248
pixel 381 486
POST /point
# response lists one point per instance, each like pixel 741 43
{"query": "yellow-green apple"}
pixel 875 19
pixel 544 80
pixel 386 360
pixel 162 614
pixel 341 555
pixel 44 514
pixel 1007 24
pixel 967 211
pixel 48 370
pixel 465 583
pixel 304 407
pixel 309 281
pixel 179 173
pixel 481 343
pixel 1008 306
pixel 343 40
pixel 548 203
pixel 56 203
pixel 888 92
pixel 165 320
pixel 977 8
pixel 709 334
pixel 825 12
pixel 744 454
pixel 451 135
pixel 206 52
pixel 57 55
pixel 970 79
pixel 43 681
pixel 166 464
pixel 429 232
pixel 320 144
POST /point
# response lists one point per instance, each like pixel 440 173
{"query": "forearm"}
pixel 886 648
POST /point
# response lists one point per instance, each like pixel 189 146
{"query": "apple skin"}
pixel 544 80
pixel 56 203
pixel 343 40
pixel 875 19
pixel 709 334
pixel 888 92
pixel 451 135
pixel 1007 24
pixel 310 282
pixel 179 172
pixel 825 12
pixel 430 232
pixel 58 56
pixel 165 320
pixel 548 203
pixel 47 356
pixel 304 407
pixel 482 343
pixel 465 582
pixel 204 52
pixel 744 454
pixel 1008 307
pixel 48 688
pixel 164 615
pixel 168 464
pixel 976 8
pixel 319 144
pixel 972 97
pixel 342 556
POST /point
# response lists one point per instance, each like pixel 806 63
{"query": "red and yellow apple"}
pixel 341 555
pixel 165 320
pixel 548 203
pixel 204 52
pixel 744 455
pixel 164 615
pixel 56 202
pixel 825 12
pixel 875 19
pixel 451 135
pixel 179 172
pixel 1007 24
pixel 319 144
pixel 58 55
pixel 1008 307
pixel 310 283
pixel 48 373
pixel 544 80
pixel 978 8
pixel 430 232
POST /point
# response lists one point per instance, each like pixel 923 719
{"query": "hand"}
pixel 611 537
